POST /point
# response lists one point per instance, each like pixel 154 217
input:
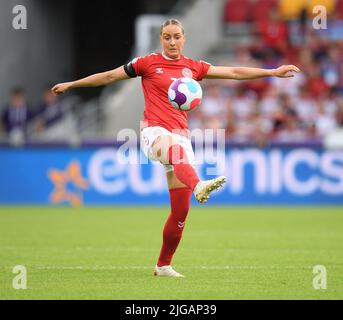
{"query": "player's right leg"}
pixel 180 197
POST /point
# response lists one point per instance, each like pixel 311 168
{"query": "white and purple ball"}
pixel 185 94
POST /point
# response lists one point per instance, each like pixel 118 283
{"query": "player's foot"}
pixel 166 271
pixel 204 188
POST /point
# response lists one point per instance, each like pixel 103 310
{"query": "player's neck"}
pixel 169 58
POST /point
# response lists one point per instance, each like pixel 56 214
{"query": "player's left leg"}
pixel 180 196
pixel 177 152
pixel 171 150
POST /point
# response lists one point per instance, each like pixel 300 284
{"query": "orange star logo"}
pixel 61 179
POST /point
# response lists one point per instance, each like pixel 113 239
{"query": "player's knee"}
pixel 176 154
pixel 160 148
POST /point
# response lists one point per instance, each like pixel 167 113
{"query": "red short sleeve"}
pixel 140 65
pixel 202 68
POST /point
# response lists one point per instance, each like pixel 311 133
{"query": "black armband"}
pixel 130 71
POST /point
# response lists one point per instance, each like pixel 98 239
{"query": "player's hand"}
pixel 285 71
pixel 61 88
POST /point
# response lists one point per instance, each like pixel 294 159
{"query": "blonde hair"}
pixel 174 22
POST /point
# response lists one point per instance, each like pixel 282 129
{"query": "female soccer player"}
pixel 164 137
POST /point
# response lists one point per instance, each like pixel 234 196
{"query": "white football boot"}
pixel 166 271
pixel 204 188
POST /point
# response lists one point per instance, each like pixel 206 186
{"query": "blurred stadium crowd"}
pixel 303 108
pixel 19 119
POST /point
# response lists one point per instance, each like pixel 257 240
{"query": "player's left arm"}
pixel 244 73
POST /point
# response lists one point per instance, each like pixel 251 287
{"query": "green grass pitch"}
pixel 226 253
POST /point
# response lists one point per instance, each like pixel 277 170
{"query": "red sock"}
pixel 173 228
pixel 182 169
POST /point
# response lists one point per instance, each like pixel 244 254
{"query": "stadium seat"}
pixel 237 11
pixel 262 8
pixel 339 8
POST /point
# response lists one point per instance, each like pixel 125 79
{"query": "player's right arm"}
pixel 95 80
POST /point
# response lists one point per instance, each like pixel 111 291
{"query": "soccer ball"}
pixel 185 94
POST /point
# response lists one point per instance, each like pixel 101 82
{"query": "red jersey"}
pixel 158 72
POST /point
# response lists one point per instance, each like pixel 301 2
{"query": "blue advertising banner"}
pixel 94 176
